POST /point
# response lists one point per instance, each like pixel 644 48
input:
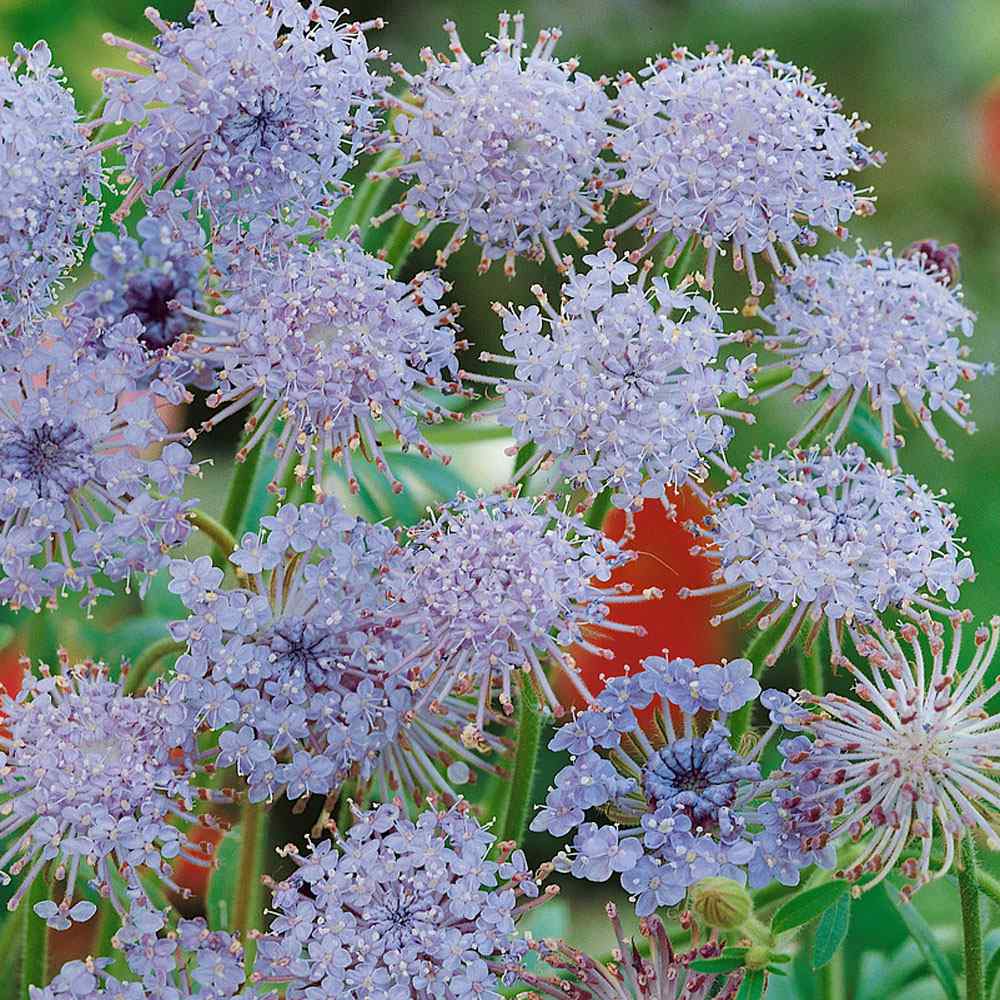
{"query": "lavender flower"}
pixel 49 185
pixel 259 108
pixel 142 279
pixel 330 343
pixel 303 671
pixel 495 585
pixel 79 494
pixel 830 536
pixel 665 975
pixel 507 149
pixel 618 392
pixel 751 152
pixel 874 325
pixel 190 963
pixel 394 908
pixel 683 804
pixel 910 761
pixel 90 775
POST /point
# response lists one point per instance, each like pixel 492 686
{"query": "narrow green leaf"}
pixel 831 931
pixel 752 987
pixel 806 906
pixel 926 942
pixel 716 964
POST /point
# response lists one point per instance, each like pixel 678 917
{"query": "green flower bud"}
pixel 721 903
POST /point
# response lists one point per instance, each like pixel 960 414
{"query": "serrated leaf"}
pixel 926 942
pixel 222 885
pixel 716 964
pixel 807 906
pixel 831 931
pixel 752 987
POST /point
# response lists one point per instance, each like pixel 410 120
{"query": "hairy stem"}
pixel 248 908
pixel 972 931
pixel 529 733
pixel 35 939
pixel 147 659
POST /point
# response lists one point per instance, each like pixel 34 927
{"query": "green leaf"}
pixel 438 479
pixel 926 942
pixel 716 964
pixel 752 987
pixel 806 906
pixel 831 931
pixel 865 428
pixel 993 976
pixel 222 885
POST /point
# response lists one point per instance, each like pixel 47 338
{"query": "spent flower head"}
pixel 878 326
pixel 620 389
pixel 498 585
pixel 80 492
pixel 830 536
pixel 662 974
pixel 397 908
pixel 748 152
pixel 256 108
pixel 908 766
pixel 676 804
pixel 50 185
pixel 92 777
pixel 507 149
pixel 327 341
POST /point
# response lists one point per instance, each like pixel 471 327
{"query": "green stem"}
pixel 739 721
pixel 236 501
pixel 680 268
pixel 11 940
pixel 812 669
pixel 830 979
pixel 599 510
pixel 248 909
pixel 148 659
pixel 988 885
pixel 35 947
pixel 399 244
pixel 529 734
pixel 972 931
pixel 218 533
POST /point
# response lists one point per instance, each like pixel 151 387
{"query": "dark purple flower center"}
pixel 55 458
pixel 148 299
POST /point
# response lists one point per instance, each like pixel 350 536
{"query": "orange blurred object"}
pixel 989 139
pixel 664 560
pixel 194 876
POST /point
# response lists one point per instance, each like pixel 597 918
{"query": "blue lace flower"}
pixel 830 536
pixel 398 908
pixel 750 152
pixel 507 149
pixel 256 109
pixel 620 389
pixel 92 777
pixel 679 803
pixel 876 326
pixel 50 183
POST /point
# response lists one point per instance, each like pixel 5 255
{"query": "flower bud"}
pixel 721 902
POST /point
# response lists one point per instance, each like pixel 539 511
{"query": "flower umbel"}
pixel 873 325
pixel 258 108
pixel 495 585
pixel 752 152
pixel 622 390
pixel 394 908
pixel 49 185
pixel 507 149
pixel 91 775
pixel 830 536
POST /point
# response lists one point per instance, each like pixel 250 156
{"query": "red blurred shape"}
pixel 664 561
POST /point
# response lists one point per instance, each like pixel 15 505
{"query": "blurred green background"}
pixel 927 76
